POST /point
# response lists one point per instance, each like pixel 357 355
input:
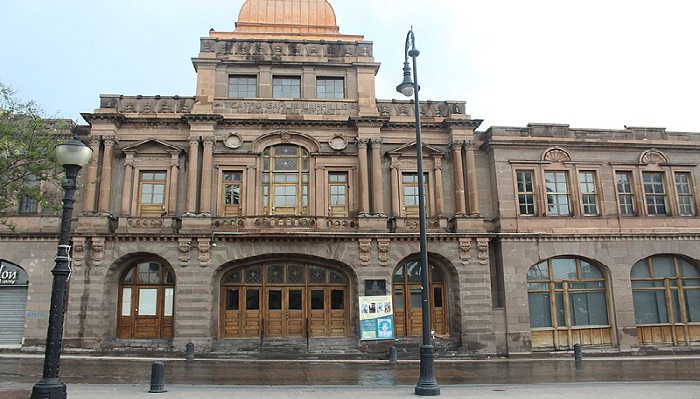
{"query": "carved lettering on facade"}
pixel 244 107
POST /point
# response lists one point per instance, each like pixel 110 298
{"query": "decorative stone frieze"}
pixel 465 249
pixel 78 250
pixel 482 246
pixel 184 248
pixel 262 50
pixel 383 251
pixel 556 154
pixel 652 156
pixel 427 108
pixel 365 251
pixel 148 104
pixel 98 250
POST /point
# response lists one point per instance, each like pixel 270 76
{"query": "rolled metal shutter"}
pixel 13 309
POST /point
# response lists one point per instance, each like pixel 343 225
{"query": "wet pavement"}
pixel 22 369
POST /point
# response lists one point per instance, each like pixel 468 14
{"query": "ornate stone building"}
pixel 255 213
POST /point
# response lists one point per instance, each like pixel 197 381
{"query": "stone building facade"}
pixel 257 211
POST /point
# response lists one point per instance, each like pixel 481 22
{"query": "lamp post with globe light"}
pixel 427 384
pixel 72 155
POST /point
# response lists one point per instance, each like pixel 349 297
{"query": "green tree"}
pixel 28 168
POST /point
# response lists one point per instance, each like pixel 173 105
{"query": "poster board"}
pixel 376 318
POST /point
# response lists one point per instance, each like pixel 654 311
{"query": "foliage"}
pixel 28 167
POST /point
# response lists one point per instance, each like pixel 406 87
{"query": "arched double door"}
pixel 408 300
pixel 284 299
pixel 146 301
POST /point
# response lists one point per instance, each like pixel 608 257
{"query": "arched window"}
pixel 146 301
pixel 285 180
pixel 408 300
pixel 666 292
pixel 568 304
pixel 284 299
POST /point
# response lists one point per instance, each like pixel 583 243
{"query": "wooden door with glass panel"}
pixel 408 300
pixel 146 300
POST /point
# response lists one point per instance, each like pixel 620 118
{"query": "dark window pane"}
pixel 295 299
pixel 398 298
pixel 274 300
pixel 317 302
pixel 337 299
pixel 540 314
pixel 252 300
pixel 232 299
pixel 650 307
pixel 437 297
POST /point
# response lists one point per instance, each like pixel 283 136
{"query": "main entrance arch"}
pixel 284 299
pixel 408 300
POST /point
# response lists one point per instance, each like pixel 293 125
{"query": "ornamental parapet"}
pixel 147 104
pixel 146 225
pixel 266 49
pixel 427 108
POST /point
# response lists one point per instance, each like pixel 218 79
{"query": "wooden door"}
pixel 285 312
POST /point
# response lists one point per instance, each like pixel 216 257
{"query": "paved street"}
pixel 120 377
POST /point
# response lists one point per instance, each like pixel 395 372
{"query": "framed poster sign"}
pixel 376 317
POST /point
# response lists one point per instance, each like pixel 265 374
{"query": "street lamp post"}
pixel 72 155
pixel 427 384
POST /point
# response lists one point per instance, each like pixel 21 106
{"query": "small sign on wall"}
pixel 376 317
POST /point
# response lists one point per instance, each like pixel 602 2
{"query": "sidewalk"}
pixel 636 390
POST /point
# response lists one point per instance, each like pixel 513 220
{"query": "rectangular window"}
pixel 242 86
pixel 338 194
pixel 411 204
pixel 625 194
pixel 152 193
pixel 526 192
pixel 27 204
pixel 286 87
pixel 589 193
pixel 330 88
pixel 685 194
pixel 233 188
pixel 558 198
pixel 655 193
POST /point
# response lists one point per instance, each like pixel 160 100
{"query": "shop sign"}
pixel 12 275
pixel 376 317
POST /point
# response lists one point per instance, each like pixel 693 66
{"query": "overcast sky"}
pixel 594 63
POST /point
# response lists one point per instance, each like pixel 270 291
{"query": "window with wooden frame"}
pixel 411 204
pixel 338 194
pixel 232 192
pixel 588 185
pixel 152 193
pixel 625 193
pixel 684 192
pixel 558 195
pixel 285 180
pixel 655 193
pixel 526 192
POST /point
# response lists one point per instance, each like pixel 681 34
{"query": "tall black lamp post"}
pixel 427 384
pixel 72 155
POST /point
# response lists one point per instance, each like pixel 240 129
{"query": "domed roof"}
pixel 296 17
